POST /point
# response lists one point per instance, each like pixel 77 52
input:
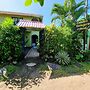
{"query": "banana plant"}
pixel 29 2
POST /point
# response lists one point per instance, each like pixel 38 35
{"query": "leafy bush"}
pixel 56 39
pixel 79 57
pixel 61 39
pixel 75 46
pixel 86 54
pixel 62 58
pixel 10 41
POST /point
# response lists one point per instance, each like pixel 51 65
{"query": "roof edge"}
pixel 20 14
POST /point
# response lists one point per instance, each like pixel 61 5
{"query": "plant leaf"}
pixel 41 2
pixel 28 2
pixel 35 1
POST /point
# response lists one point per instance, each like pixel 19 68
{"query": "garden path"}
pixel 32 53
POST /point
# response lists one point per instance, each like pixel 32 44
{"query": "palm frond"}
pixel 78 5
pixel 55 18
pixel 58 9
pixel 79 12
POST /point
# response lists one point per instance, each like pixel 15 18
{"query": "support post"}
pixel 23 39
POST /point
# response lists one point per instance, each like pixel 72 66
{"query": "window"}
pixel 35 19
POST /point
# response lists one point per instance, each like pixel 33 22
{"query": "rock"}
pixel 10 87
pixel 4 71
pixel 53 66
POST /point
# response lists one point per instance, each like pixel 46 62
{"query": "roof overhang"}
pixel 30 24
pixel 20 14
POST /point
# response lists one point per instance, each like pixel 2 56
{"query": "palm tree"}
pixel 70 11
pixel 60 12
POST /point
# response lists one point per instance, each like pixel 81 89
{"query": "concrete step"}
pixel 32 53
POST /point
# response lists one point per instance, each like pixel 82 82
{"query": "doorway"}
pixel 34 39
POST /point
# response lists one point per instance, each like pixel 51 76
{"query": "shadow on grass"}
pixel 24 78
pixel 71 70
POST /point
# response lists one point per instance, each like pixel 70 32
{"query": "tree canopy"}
pixel 70 11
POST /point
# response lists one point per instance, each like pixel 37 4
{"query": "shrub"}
pixel 75 46
pixel 10 41
pixel 86 54
pixel 62 58
pixel 79 57
pixel 56 39
pixel 61 39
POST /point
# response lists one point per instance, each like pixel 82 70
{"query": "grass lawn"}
pixel 74 69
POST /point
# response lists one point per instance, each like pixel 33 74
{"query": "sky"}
pixel 18 6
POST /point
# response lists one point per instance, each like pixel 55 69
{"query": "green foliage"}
pixel 59 73
pixel 69 11
pixel 79 57
pixel 2 78
pixel 11 69
pixel 43 67
pixel 29 2
pixel 86 54
pixel 62 58
pixel 58 9
pixel 72 69
pixel 56 39
pixel 61 39
pixel 10 41
pixel 75 46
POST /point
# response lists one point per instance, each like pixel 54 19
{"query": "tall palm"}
pixel 69 11
pixel 60 12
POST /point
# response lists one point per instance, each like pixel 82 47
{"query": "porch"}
pixel 32 34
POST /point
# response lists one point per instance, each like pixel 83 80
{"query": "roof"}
pixel 30 24
pixel 20 14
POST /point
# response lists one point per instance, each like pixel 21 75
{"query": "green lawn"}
pixel 74 69
pixel 82 67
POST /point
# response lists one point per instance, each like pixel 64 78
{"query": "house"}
pixel 30 25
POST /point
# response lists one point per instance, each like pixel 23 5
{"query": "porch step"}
pixel 32 53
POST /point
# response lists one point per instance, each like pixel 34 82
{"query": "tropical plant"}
pixel 10 41
pixel 56 39
pixel 69 11
pixel 86 54
pixel 79 57
pixel 29 2
pixel 76 45
pixel 62 58
pixel 58 9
